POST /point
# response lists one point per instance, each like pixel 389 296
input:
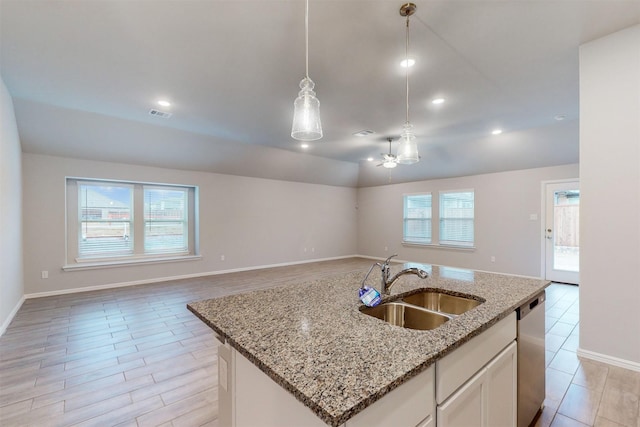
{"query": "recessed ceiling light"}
pixel 369 159
pixel 365 132
pixel 407 63
pixel 164 103
pixel 496 132
pixel 304 145
pixel 560 117
pixel 437 101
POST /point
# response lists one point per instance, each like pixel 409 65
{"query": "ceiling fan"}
pixel 389 160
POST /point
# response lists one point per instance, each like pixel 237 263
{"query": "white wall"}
pixel 11 279
pixel 503 228
pixel 610 197
pixel 252 221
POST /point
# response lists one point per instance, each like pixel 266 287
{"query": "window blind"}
pixel 457 218
pixel 166 225
pixel 417 218
pixel 105 220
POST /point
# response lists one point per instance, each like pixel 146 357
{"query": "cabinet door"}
pixel 467 406
pixel 502 377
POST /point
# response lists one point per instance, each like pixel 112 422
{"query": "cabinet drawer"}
pixel 456 368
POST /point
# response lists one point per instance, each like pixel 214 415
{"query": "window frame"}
pixel 184 220
pixel 74 259
pixel 82 235
pixel 456 243
pixel 408 240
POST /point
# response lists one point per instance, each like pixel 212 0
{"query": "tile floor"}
pixel 136 357
pixel 582 392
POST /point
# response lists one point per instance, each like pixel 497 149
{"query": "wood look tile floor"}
pixel 136 356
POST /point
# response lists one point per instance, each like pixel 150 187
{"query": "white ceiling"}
pixel 84 75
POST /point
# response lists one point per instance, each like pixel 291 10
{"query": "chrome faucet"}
pixel 387 282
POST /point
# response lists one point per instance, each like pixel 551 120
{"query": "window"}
pixel 457 218
pixel 105 219
pixel 417 218
pixel 166 226
pixel 120 222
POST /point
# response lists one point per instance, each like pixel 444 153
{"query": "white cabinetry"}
pixel 476 385
pixel 502 378
pixel 466 407
pixel 487 399
pixel 250 398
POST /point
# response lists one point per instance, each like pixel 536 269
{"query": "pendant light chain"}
pixel 306 38
pixel 406 54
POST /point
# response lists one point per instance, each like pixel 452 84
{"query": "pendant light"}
pixel 408 149
pixel 306 108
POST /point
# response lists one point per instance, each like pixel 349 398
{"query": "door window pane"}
pixel 566 213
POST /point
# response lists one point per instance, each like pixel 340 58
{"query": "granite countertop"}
pixel 312 339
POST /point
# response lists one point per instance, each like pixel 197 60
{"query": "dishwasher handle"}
pixel 530 305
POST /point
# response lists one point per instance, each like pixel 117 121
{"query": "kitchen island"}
pixel 312 340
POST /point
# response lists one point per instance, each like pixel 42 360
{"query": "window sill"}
pixel 127 262
pixel 437 246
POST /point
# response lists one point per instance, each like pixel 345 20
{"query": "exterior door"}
pixel 562 239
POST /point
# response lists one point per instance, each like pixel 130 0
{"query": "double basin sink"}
pixel 424 310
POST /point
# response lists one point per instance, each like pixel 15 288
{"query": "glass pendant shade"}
pixel 408 149
pixel 306 113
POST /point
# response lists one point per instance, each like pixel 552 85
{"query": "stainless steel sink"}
pixel 441 302
pixel 407 316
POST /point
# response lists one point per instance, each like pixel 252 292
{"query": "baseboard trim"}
pixel 461 268
pixel 610 360
pixel 184 276
pixel 9 318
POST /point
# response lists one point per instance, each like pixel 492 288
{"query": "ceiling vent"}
pixel 158 113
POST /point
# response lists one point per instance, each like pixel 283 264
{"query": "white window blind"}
pixel 166 225
pixel 457 218
pixel 105 220
pixel 417 218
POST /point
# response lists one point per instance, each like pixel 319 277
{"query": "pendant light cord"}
pixel 306 39
pixel 406 53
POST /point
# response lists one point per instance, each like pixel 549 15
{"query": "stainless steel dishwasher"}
pixel 531 355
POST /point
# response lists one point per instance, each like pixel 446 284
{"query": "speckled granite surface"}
pixel 312 339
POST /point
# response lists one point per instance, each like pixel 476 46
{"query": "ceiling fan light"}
pixel 389 164
pixel 306 113
pixel 408 149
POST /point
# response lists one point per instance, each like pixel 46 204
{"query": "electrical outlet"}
pixel 45 274
pixel 313 249
pixel 221 257
pixel 386 249
pixel 493 259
